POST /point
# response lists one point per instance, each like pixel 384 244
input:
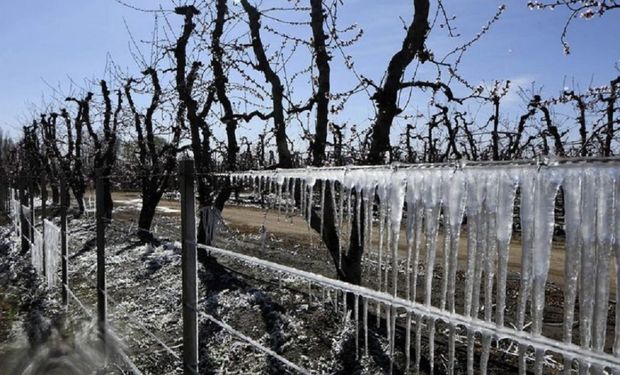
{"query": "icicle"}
pixel 332 187
pixel 349 210
pixel 366 326
pixel 432 208
pixel 388 325
pixel 572 221
pixel 447 239
pixel 537 210
pixel 397 200
pixel 486 348
pixel 419 215
pixel 470 350
pixel 547 188
pixel 357 326
pixel 341 210
pixel 588 258
pixel 408 343
pixel 431 345
pixel 280 197
pixel 481 251
pixel 323 183
pixel 527 208
pixel 388 256
pixel 474 204
pixel 358 216
pixel 411 221
pixel 539 360
pixel 604 225
pixel 491 203
pixel 371 208
pixel 310 182
pixel 392 323
pixel 522 351
pixel 304 196
pixel 418 342
pixel 382 217
pixel 506 196
pixel 344 306
pixel 289 199
pixel 616 347
pixel 451 349
pixel 455 205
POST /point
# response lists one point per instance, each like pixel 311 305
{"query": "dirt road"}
pixel 250 219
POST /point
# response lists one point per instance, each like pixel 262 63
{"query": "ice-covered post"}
pixel 188 261
pixel 22 216
pixel 43 216
pixel 3 189
pixel 31 218
pixel 101 288
pixel 63 239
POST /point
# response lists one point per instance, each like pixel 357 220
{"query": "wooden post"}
pixel 101 287
pixel 63 240
pixel 189 269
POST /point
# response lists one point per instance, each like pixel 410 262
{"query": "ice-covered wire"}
pixel 525 338
pixel 120 352
pixel 135 320
pixel 255 344
pixel 457 164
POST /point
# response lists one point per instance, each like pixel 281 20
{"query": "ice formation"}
pixel 438 207
pixel 52 252
pixel 36 250
pixel 45 243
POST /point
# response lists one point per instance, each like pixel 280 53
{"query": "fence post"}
pixel 101 287
pixel 188 260
pixel 63 240
pixel 22 217
pixel 31 204
pixel 43 216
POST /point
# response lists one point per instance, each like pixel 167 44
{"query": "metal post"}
pixel 188 261
pixel 22 217
pixel 31 197
pixel 43 217
pixel 101 288
pixel 3 194
pixel 63 239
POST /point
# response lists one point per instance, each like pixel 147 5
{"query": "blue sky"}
pixel 53 41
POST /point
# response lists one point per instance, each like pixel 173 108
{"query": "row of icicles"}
pixel 481 200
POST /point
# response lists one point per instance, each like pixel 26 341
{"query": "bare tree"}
pixel 386 96
pixel 105 144
pixel 156 163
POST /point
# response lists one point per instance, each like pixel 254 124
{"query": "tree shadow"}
pixel 216 278
pixel 88 246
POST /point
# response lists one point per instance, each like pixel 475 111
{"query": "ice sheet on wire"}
pixel 486 195
pixel 52 252
pixel 37 251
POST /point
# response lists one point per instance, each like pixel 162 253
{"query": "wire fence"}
pixel 422 199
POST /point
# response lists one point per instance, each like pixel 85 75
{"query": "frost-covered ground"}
pixel 144 306
pixel 304 325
